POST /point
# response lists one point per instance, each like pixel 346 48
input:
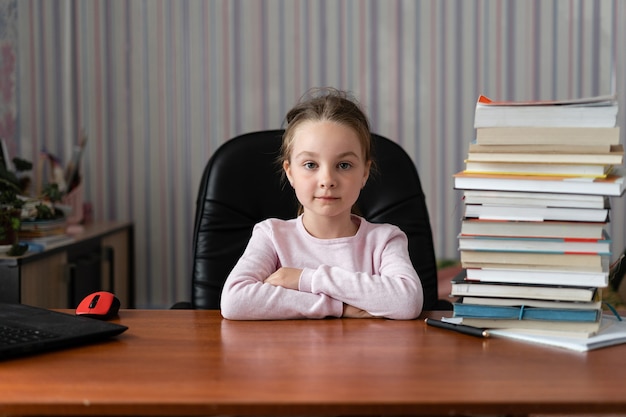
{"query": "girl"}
pixel 327 262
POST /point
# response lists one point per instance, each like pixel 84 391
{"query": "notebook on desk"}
pixel 26 330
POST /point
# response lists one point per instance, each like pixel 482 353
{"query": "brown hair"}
pixel 327 104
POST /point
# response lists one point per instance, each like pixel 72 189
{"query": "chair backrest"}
pixel 241 186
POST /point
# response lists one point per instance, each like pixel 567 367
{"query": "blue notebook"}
pixel 525 313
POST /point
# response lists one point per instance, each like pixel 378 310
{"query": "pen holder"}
pixel 75 199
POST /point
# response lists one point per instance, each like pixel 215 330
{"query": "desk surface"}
pixel 178 362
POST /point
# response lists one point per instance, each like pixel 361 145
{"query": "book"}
pixel 31 229
pixel 525 313
pixel 522 168
pixel 612 185
pixel 535 244
pixel 555 229
pixel 459 287
pixel 578 329
pixel 535 199
pixel 597 112
pixel 540 149
pixel 612 332
pixel 533 135
pixel 531 303
pixel 534 213
pixel 470 258
pixel 614 157
pixel 41 244
pixel 598 279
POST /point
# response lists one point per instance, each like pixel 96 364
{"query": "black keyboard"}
pixel 15 335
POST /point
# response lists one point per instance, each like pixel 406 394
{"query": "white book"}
pixel 539 277
pixel 612 332
pixel 576 136
pixel 524 168
pixel 598 111
pixel 531 303
pixel 513 198
pixel 536 244
pixel 614 157
pixel 580 230
pixel 534 213
pixel 611 186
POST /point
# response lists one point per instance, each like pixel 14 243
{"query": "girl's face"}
pixel 327 169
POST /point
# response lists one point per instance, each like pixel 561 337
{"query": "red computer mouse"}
pixel 101 305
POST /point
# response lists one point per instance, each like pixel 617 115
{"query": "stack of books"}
pixel 40 235
pixel 537 187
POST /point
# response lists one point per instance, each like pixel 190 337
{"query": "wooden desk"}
pixel 183 363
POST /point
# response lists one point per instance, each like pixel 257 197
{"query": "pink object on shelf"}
pixel 75 200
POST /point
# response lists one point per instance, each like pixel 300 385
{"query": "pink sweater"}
pixel 370 270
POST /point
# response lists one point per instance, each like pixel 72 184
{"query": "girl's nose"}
pixel 327 180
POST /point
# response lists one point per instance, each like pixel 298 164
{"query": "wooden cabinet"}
pixel 99 258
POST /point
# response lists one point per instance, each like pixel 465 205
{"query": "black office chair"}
pixel 241 185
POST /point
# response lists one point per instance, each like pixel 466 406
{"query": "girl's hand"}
pixel 285 277
pixel 355 313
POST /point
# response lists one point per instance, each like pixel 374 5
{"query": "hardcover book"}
pixel 612 185
pixel 534 244
pixel 588 262
pixel 578 329
pixel 535 213
pixel 541 149
pixel 513 228
pixel 463 288
pixel 525 313
pixel 516 198
pixel 597 112
pixel 541 169
pixel 590 305
pixel 612 331
pixel 598 279
pixel 614 157
pixel 534 135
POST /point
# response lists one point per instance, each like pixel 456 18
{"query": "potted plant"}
pixel 10 204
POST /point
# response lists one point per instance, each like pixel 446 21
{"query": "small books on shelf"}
pixel 32 229
pixel 40 244
pixel 598 111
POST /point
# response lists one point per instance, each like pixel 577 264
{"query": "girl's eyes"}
pixel 341 165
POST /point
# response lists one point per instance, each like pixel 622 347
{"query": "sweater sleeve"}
pixel 246 297
pixel 391 290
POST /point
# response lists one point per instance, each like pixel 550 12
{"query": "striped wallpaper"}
pixel 158 85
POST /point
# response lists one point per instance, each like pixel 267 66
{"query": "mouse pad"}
pixel 27 330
